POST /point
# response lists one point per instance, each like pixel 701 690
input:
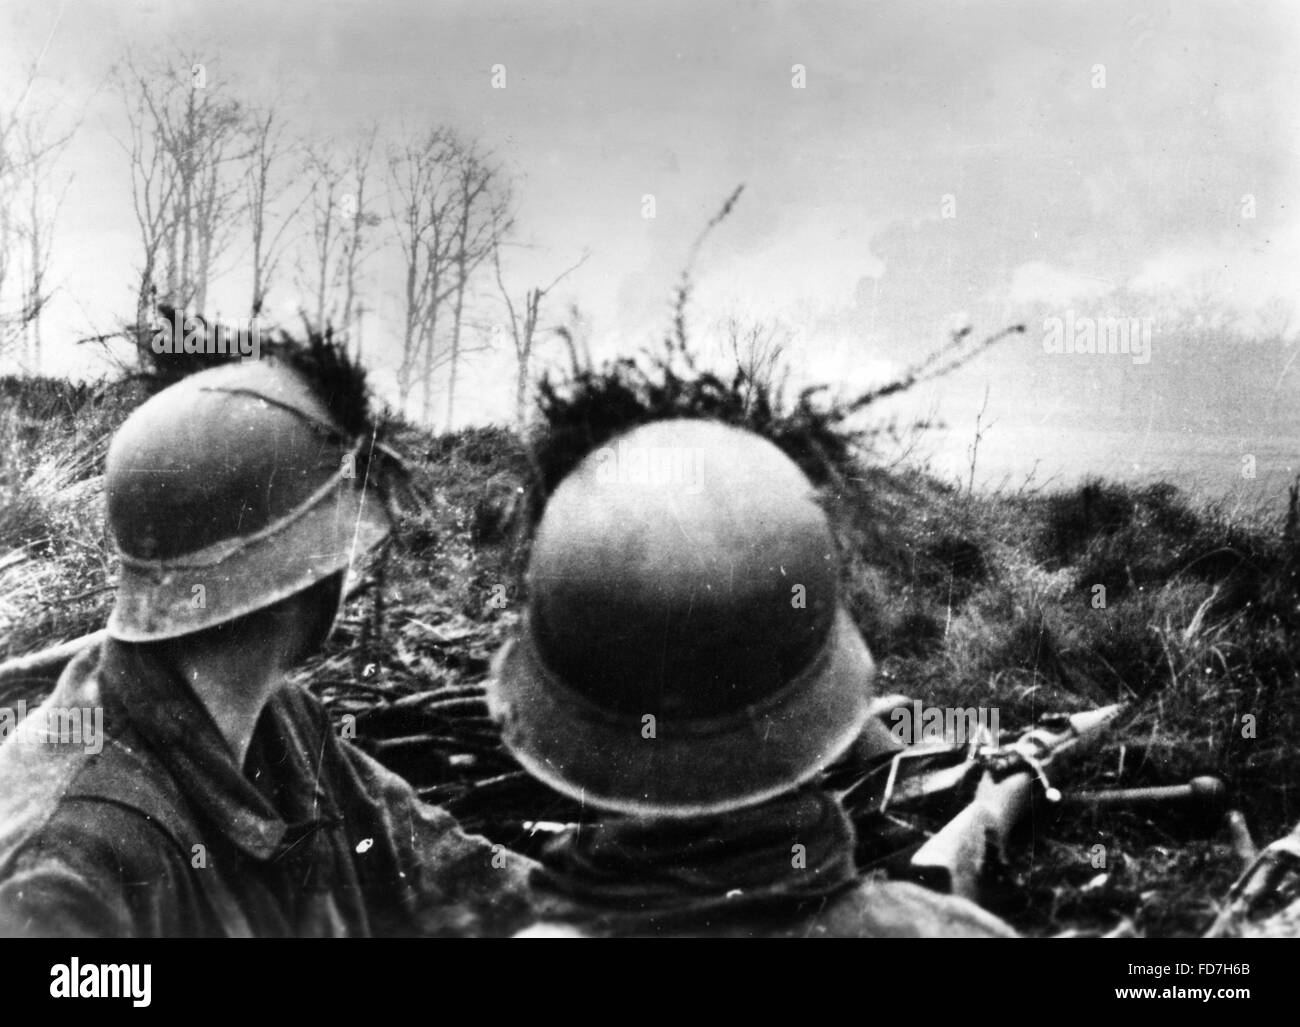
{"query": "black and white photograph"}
pixel 575 470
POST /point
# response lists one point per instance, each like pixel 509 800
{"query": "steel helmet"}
pixel 684 650
pixel 227 492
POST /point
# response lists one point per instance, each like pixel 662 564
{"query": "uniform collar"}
pixel 791 850
pixel 260 819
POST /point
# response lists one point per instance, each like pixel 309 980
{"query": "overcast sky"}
pixel 944 161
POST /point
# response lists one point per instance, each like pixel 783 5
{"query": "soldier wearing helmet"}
pixel 685 665
pixel 221 802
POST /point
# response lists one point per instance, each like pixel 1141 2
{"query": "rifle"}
pixel 993 787
pixel 954 859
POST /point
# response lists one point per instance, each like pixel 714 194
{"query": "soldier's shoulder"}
pixel 878 908
pixel 100 795
pixel 92 831
pixel 116 806
pixel 93 868
pixel 873 908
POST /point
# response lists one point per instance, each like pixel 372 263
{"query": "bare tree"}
pixel 361 221
pixel 31 193
pixel 325 210
pixel 11 170
pixel 524 327
pixel 267 149
pixel 449 208
pixel 44 200
pixel 422 210
pixel 482 220
pixel 153 184
pixel 199 129
pixel 187 147
pixel 342 220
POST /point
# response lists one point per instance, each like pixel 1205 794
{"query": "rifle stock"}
pixel 955 857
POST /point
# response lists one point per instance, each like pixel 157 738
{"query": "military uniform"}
pixel 161 834
pixel 740 875
pixel 231 493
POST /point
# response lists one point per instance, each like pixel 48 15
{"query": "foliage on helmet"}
pixel 585 408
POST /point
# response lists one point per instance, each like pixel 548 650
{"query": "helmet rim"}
pixel 693 768
pixel 155 598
